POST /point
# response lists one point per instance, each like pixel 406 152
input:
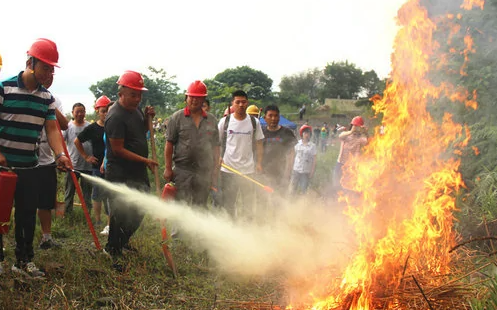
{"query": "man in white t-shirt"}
pixel 47 189
pixel 241 136
pixel 75 127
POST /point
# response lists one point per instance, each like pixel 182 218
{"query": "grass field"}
pixel 80 277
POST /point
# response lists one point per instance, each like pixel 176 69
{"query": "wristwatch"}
pixel 60 155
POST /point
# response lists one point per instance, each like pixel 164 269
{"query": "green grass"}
pixel 80 277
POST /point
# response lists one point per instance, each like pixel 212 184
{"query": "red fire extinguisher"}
pixel 169 191
pixel 8 180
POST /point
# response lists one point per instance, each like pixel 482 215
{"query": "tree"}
pixel 162 90
pixel 107 87
pixel 219 96
pixel 301 88
pixel 341 80
pixel 371 84
pixel 256 83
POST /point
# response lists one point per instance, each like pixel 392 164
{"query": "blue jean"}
pixel 337 176
pixel 98 193
pixel 324 142
pixel 300 182
pixel 337 185
pixel 71 189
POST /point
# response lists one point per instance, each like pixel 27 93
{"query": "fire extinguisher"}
pixel 169 191
pixel 8 180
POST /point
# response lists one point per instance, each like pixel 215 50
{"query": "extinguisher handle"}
pixel 6 168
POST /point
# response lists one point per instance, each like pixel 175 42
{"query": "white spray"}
pixel 299 241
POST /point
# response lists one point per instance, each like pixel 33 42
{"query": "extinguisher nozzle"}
pixel 74 171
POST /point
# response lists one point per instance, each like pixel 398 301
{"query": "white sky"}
pixel 195 39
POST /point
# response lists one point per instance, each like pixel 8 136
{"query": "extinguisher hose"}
pixel 8 168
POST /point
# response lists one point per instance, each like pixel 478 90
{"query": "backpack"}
pixel 225 133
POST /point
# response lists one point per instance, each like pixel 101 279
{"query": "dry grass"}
pixel 80 277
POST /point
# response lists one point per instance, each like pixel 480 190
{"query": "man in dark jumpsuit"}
pixel 193 146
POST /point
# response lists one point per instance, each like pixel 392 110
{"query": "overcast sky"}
pixel 196 39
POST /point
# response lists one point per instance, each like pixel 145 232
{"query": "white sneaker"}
pixel 29 270
pixel 33 271
pixel 105 232
pixel 107 254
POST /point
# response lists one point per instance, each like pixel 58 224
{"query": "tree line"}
pixel 337 80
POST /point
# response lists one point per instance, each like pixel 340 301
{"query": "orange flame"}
pixel 405 180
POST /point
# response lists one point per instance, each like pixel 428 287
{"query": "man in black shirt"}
pixel 127 160
pixel 279 142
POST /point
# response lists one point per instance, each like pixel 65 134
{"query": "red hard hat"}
pixel 304 127
pixel 103 101
pixel 45 50
pixel 232 109
pixel 131 79
pixel 197 89
pixel 357 121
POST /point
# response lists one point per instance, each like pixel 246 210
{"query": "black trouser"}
pixel 25 213
pixel 231 185
pixel 124 219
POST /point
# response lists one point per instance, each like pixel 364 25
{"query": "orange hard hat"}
pixel 357 121
pixel 197 89
pixel 131 79
pixel 103 101
pixel 45 50
pixel 305 127
pixel 232 109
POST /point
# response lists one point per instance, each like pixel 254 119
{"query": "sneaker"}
pixel 105 232
pixel 119 267
pixel 129 248
pixel 111 253
pixel 48 243
pixel 29 270
pixel 33 270
pixel 106 253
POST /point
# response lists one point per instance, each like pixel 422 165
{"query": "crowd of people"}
pixel 202 155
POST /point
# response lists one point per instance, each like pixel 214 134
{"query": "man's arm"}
pixel 291 152
pixel 259 148
pixel 216 151
pixel 289 162
pixel 220 129
pixel 118 149
pixel 56 143
pixel 63 122
pixel 168 161
pixel 3 160
pixel 88 158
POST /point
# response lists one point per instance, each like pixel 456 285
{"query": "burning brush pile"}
pixel 407 178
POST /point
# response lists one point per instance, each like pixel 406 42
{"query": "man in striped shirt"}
pixel 26 107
